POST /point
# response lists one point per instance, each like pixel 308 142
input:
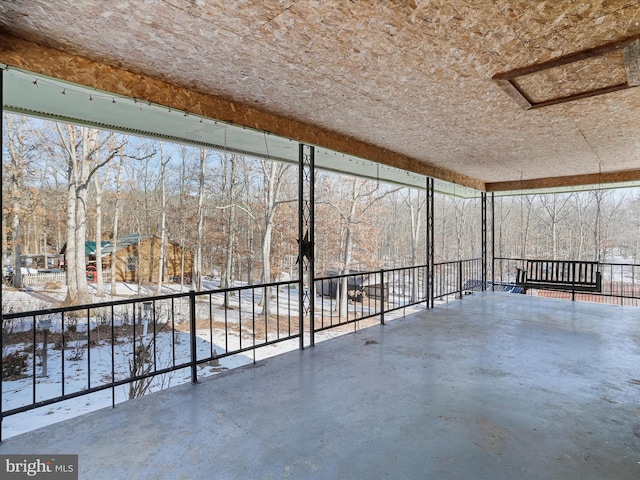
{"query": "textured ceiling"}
pixel 404 82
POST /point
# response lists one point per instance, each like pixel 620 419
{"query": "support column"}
pixel 484 240
pixel 429 228
pixel 493 241
pixel 2 256
pixel 306 241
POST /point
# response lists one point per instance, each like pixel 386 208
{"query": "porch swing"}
pixel 561 275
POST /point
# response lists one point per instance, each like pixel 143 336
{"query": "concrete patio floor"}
pixel 497 386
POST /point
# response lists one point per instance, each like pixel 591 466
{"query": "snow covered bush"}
pixel 14 366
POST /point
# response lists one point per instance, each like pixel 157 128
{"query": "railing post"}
pixel 381 297
pixel 484 239
pixel 192 328
pixel 493 242
pixel 460 278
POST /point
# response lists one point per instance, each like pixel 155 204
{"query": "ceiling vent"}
pixel 605 69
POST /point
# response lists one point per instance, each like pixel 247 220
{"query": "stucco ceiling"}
pixel 407 83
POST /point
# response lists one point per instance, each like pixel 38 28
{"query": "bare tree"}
pixel 182 207
pixel 416 204
pixel 555 208
pixel 116 218
pixel 16 169
pixel 525 219
pixel 361 196
pixel 608 207
pixel 230 188
pixel 416 207
pixel 163 218
pixel 582 205
pixel 99 183
pixel 274 175
pixel 196 280
pixel 80 145
pixel 504 213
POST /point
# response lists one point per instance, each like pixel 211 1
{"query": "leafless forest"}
pixel 63 185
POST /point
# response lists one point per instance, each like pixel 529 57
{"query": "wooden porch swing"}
pixel 564 275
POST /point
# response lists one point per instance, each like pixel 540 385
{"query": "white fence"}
pixel 42 279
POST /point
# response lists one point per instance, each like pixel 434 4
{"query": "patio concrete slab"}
pixel 496 386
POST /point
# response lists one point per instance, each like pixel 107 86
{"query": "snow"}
pixel 97 365
pixel 20 392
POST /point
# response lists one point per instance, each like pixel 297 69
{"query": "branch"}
pixel 388 192
pixel 344 217
pixel 279 202
pixel 104 162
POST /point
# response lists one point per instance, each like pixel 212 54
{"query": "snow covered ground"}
pixel 81 367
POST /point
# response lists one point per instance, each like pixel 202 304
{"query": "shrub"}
pixel 76 351
pixel 58 343
pixel 14 366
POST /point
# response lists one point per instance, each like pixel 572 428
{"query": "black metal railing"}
pixel 368 295
pixel 457 277
pixel 131 347
pixel 127 348
pixel 145 342
pixel 620 282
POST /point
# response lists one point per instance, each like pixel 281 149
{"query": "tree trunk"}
pixel 227 280
pixel 81 166
pixel 416 222
pixel 17 264
pixel 99 279
pixel 343 294
pixel 70 251
pixel 266 268
pixel 116 214
pixel 163 221
pixel 196 280
pixel 273 174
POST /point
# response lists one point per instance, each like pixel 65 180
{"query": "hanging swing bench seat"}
pixel 563 275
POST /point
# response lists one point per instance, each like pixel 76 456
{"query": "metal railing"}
pixel 620 281
pixel 368 295
pixel 456 277
pixel 130 347
pixel 144 342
